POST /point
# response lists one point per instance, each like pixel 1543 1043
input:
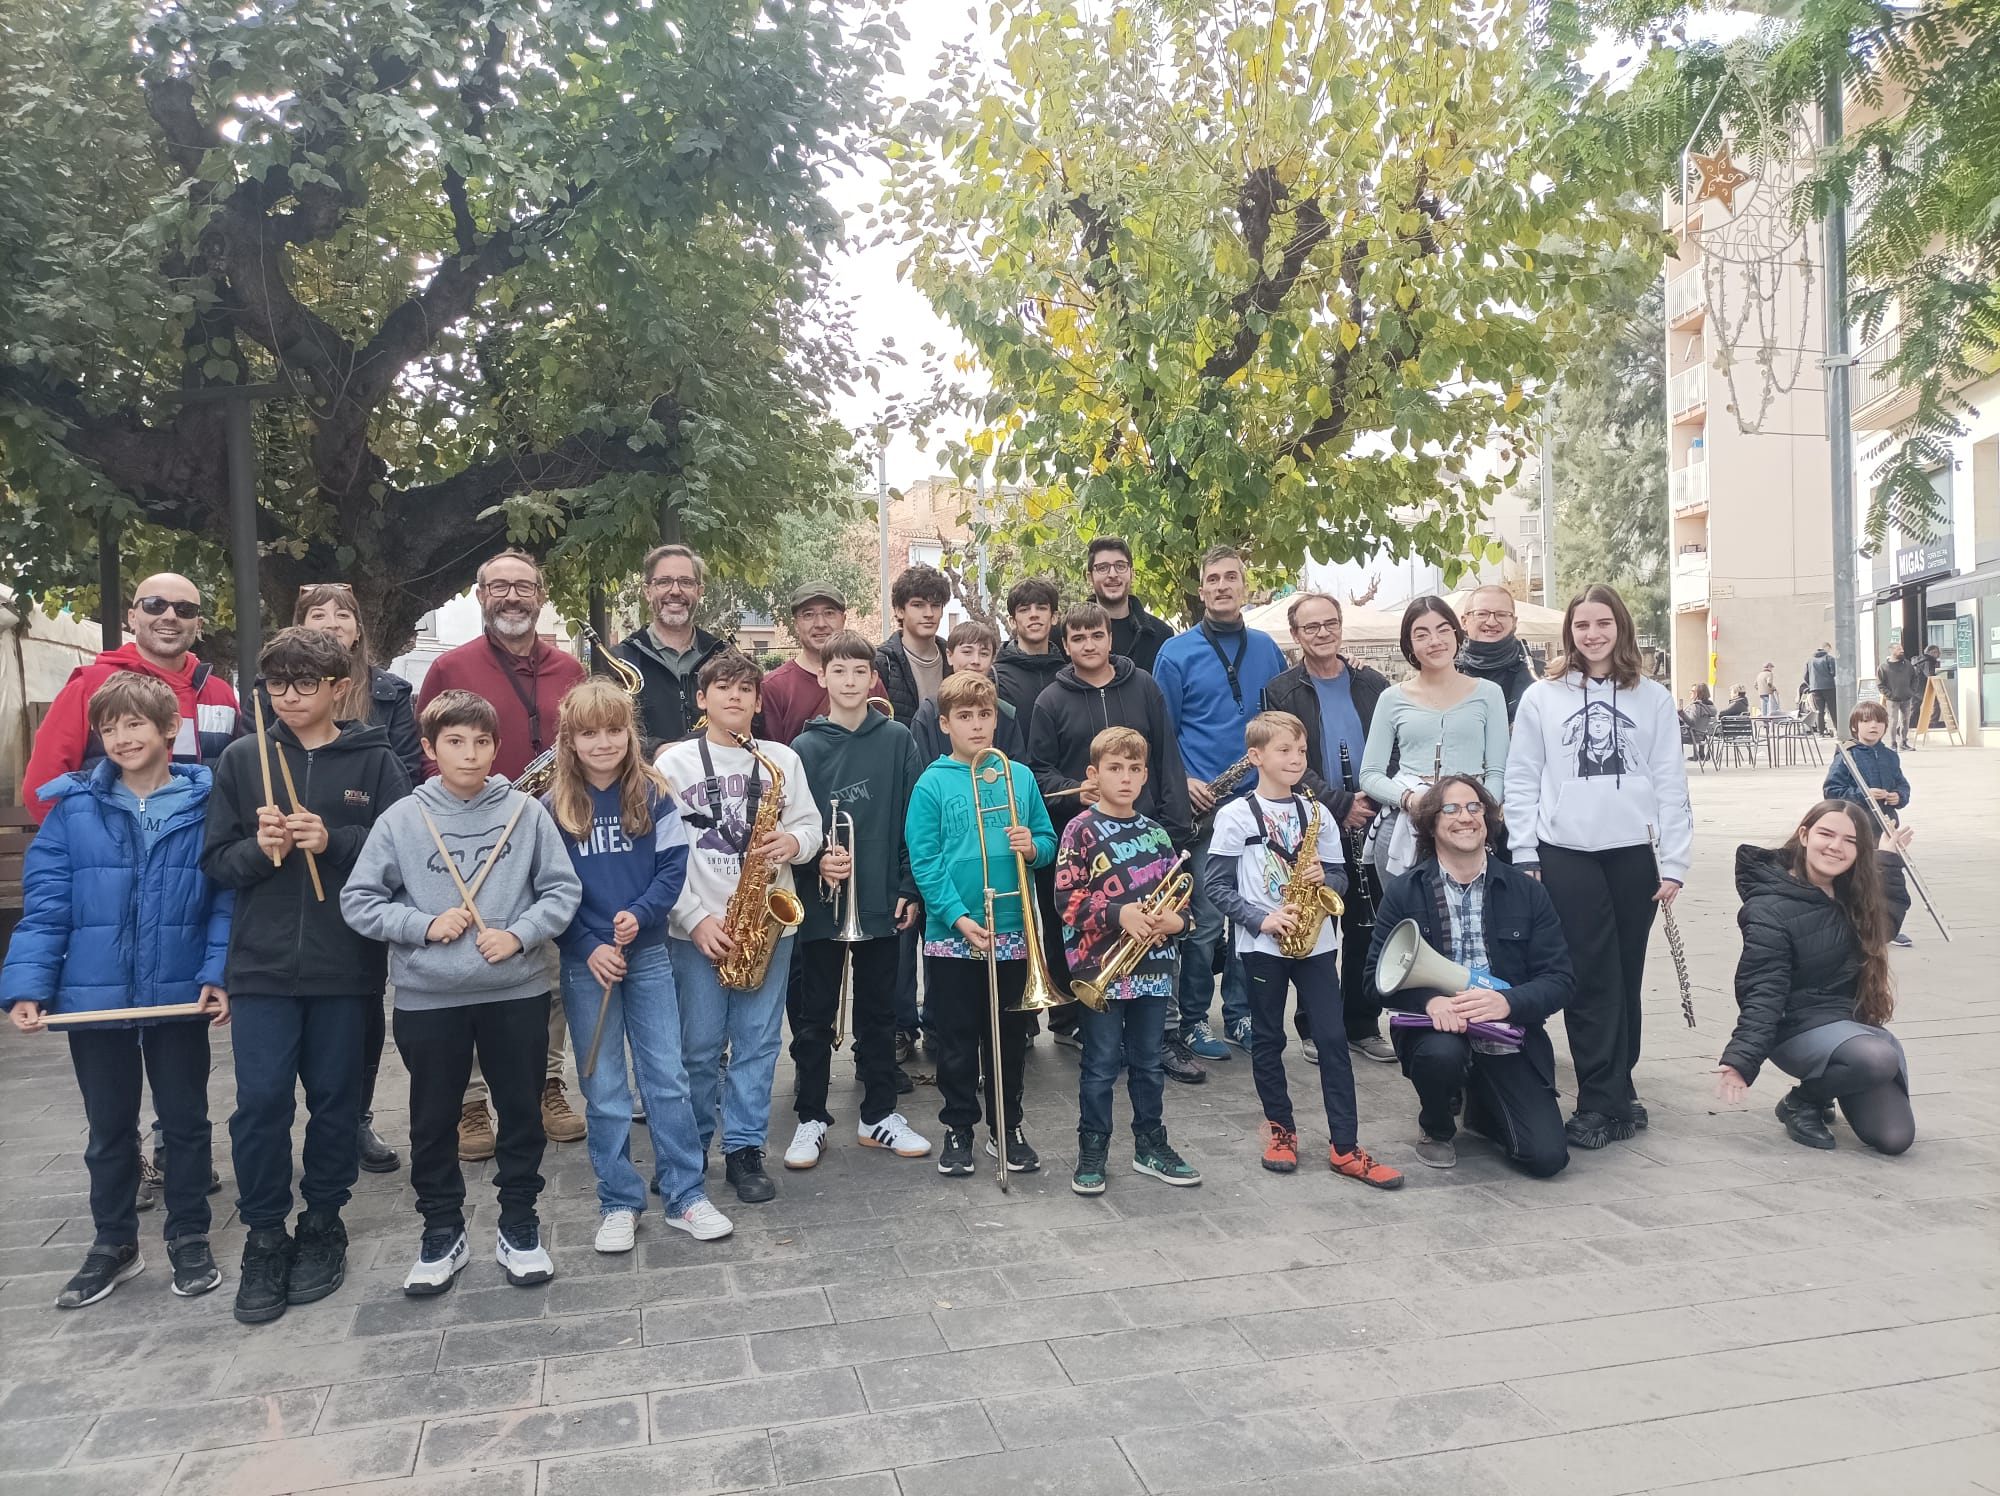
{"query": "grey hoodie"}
pixel 399 884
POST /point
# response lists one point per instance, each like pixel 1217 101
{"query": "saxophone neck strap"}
pixel 712 791
pixel 1268 832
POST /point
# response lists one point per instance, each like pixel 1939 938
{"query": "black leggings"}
pixel 1865 1077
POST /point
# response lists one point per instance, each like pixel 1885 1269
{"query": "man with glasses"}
pixel 1335 698
pixel 669 652
pixel 526 680
pixel 165 622
pixel 795 692
pixel 1498 923
pixel 1491 652
pixel 1135 633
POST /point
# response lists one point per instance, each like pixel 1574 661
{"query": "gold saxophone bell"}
pixel 759 911
pixel 1173 895
pixel 1314 903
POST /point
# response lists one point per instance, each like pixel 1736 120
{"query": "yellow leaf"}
pixel 1404 296
pixel 1350 334
pixel 1513 397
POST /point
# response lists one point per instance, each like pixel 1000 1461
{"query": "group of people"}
pixel 657 871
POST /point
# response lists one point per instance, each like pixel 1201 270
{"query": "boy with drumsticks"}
pixel 291 806
pixel 468 881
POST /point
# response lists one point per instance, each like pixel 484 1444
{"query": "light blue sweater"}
pixel 1474 735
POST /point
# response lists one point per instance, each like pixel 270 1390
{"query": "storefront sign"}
pixel 1920 563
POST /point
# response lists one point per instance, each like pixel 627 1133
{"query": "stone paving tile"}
pixel 440 1394
pixel 707 1319
pixel 538 1338
pixel 1130 1353
pixel 357 1361
pixel 1430 1422
pixel 55 1394
pixel 882 1441
pixel 201 1425
pixel 487 1480
pixel 615 1373
pixel 532 1434
pixel 693 1467
pixel 961 1376
pixel 1038 1319
pixel 965 1288
pixel 1139 1406
pixel 132 1478
pixel 846 1345
pixel 1206 1455
pixel 767 1402
pixel 1096 1466
pixel 284 1465
pixel 42 1444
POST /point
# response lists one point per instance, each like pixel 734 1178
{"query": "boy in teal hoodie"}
pixel 865 766
pixel 952 876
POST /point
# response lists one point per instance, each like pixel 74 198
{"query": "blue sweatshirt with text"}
pixel 641 873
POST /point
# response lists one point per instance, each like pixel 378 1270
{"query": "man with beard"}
pixel 670 651
pixel 165 622
pixel 1491 652
pixel 1135 633
pixel 795 692
pixel 526 680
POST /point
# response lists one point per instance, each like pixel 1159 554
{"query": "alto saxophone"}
pixel 759 911
pixel 541 771
pixel 1311 902
pixel 1222 787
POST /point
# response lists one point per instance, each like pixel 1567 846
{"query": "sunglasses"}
pixel 153 606
pixel 305 587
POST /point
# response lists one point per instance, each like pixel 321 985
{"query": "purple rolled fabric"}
pixel 1498 1033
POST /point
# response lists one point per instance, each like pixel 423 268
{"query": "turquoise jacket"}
pixel 944 846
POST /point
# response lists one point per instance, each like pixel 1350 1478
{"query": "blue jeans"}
pixel 281 1042
pixel 1198 956
pixel 1128 1032
pixel 751 1023
pixel 645 1012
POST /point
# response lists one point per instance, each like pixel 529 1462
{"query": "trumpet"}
pixel 1040 993
pixel 847 916
pixel 1173 895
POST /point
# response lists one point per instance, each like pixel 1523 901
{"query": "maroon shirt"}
pixel 792 696
pixel 487 668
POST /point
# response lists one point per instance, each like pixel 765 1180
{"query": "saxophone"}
pixel 541 771
pixel 1311 902
pixel 759 912
pixel 1222 787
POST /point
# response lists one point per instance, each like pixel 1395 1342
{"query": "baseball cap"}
pixel 818 592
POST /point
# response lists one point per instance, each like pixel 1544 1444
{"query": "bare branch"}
pixel 1262 198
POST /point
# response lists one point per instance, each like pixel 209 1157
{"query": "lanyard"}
pixel 712 786
pixel 530 700
pixel 1229 666
pixel 1271 842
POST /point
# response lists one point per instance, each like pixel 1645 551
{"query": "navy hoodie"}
pixel 619 871
pixel 871 771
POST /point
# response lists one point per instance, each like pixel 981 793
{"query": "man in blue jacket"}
pixel 1213 677
pixel 1498 922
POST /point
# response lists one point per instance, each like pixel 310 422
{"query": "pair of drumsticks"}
pixel 291 791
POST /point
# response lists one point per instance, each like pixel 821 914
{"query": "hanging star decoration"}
pixel 1719 177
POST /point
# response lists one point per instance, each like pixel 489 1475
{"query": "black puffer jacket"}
pixel 1801 958
pixel 899 681
pixel 1021 678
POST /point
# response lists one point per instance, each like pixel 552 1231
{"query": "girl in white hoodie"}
pixel 1594 775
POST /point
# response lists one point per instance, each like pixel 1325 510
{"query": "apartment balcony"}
pixel 1690 578
pixel 1880 400
pixel 1687 489
pixel 1687 300
pixel 1687 396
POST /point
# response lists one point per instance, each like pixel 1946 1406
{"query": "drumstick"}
pixel 479 878
pixel 292 794
pixel 264 765
pixel 119 1015
pixel 597 1036
pixel 452 868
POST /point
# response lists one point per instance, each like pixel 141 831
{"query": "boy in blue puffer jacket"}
pixel 118 915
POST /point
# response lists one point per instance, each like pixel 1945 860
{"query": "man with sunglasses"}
pixel 165 622
pixel 670 651
pixel 1135 633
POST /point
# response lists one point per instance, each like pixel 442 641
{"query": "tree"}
pixel 542 272
pixel 1268 274
pixel 824 546
pixel 1608 418
pixel 1923 181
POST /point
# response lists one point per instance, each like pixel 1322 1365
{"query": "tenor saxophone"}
pixel 759 911
pixel 1311 902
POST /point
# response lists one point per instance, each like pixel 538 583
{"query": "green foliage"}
pixel 822 545
pixel 1608 419
pixel 1268 274
pixel 1923 180
pixel 544 273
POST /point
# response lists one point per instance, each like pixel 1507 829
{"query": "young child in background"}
pixel 1252 861
pixel 467 983
pixel 623 830
pixel 117 914
pixel 1111 860
pixel 1882 777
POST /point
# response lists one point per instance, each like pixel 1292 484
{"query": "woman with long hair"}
pixel 374 695
pixel 619 819
pixel 1435 722
pixel 1597 802
pixel 1812 988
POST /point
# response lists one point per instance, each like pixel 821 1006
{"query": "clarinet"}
pixel 1364 896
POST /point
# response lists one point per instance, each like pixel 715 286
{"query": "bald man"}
pixel 165 622
pixel 1491 652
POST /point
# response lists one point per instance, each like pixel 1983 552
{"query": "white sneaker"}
pixel 808 1143
pixel 438 1261
pixel 894 1132
pixel 618 1231
pixel 702 1221
pixel 522 1257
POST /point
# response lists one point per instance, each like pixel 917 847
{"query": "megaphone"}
pixel 1409 964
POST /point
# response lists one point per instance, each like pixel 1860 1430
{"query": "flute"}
pixel 1888 831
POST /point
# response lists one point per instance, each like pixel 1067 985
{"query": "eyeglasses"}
pixel 1109 568
pixel 1317 630
pixel 1481 615
pixel 1470 808
pixel 674 584
pixel 301 686
pixel 513 589
pixel 154 605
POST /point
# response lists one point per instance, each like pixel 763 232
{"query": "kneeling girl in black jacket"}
pixel 1813 984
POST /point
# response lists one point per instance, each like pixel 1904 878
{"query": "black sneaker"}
pixel 1805 1119
pixel 956 1157
pixel 1021 1159
pixel 104 1268
pixel 262 1279
pixel 1179 1063
pixel 151 1182
pixel 319 1257
pixel 377 1157
pixel 1596 1130
pixel 906 1045
pixel 1092 1149
pixel 1636 1113
pixel 744 1168
pixel 195 1272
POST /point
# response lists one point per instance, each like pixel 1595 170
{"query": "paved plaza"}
pixel 1707 1309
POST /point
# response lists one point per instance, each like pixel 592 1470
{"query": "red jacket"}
pixel 544 676
pixel 792 696
pixel 64 743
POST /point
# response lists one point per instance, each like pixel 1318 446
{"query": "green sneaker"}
pixel 1153 1154
pixel 1092 1148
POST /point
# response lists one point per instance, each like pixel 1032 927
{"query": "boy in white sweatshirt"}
pixel 721 787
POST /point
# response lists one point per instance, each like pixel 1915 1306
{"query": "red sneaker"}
pixel 1281 1148
pixel 1358 1165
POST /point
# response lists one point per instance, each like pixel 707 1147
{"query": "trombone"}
pixel 1171 897
pixel 846 917
pixel 1039 993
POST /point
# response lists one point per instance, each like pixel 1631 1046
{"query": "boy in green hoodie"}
pixel 863 765
pixel 952 875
